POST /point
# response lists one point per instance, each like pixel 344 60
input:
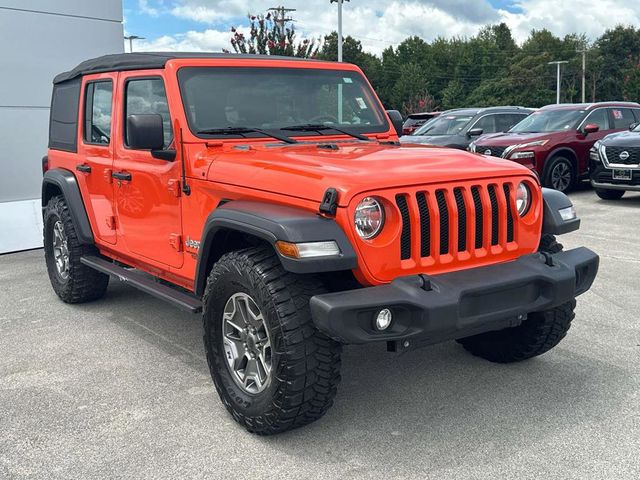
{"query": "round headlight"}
pixel 523 199
pixel 369 218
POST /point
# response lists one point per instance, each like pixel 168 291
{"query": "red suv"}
pixel 555 140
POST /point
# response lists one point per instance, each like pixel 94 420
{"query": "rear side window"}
pixel 487 124
pixel 598 117
pixel 63 119
pixel 622 118
pixel 505 121
pixel 147 95
pixel 97 112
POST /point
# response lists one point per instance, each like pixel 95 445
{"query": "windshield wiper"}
pixel 311 127
pixel 243 130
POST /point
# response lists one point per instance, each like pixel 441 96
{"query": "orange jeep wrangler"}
pixel 271 194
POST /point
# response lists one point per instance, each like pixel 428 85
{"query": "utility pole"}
pixel 339 2
pixel 280 17
pixel 131 38
pixel 557 64
pixel 584 70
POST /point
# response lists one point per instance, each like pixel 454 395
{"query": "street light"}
pixel 558 63
pixel 131 38
pixel 339 2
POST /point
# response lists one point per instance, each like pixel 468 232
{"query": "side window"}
pixel 487 124
pixel 598 117
pixel 97 112
pixel 622 118
pixel 147 95
pixel 636 113
pixel 506 121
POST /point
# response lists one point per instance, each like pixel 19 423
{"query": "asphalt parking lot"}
pixel 120 389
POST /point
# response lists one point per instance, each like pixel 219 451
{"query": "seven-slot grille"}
pixel 632 156
pixel 456 219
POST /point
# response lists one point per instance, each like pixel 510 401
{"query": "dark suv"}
pixel 555 140
pixel 457 128
pixel 416 120
pixel 615 164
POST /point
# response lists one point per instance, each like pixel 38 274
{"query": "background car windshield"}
pixel 444 125
pixel 549 121
pixel 272 98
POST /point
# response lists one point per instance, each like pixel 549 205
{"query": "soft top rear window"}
pixel 273 98
pixel 63 118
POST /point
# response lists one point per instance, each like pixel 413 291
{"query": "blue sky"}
pixel 205 24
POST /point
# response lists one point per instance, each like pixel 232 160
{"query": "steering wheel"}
pixel 323 119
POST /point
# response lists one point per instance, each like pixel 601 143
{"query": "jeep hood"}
pixel 307 170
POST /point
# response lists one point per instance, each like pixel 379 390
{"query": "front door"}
pixel 147 198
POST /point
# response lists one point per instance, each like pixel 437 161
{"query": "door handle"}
pixel 126 176
pixel 84 168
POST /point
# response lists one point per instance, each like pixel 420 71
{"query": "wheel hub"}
pixel 60 250
pixel 247 343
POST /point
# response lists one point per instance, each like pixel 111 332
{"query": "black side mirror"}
pixel 633 126
pixel 396 120
pixel 145 131
pixel 475 132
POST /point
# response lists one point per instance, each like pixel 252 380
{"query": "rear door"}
pixel 96 147
pixel 621 118
pixel 148 197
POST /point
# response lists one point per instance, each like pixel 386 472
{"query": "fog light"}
pixel 383 320
pixel 568 213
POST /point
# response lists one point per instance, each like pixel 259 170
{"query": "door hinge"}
pixel 107 175
pixel 111 222
pixel 174 187
pixel 175 240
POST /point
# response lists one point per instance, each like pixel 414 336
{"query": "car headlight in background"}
pixel 594 153
pixel 522 155
pixel 369 218
pixel 511 153
pixel 523 199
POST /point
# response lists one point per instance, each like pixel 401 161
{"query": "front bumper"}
pixel 602 177
pixel 430 309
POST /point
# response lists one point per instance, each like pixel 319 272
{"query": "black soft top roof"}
pixel 149 60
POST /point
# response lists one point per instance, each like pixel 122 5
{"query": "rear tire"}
pixel 72 281
pixel 608 194
pixel 560 175
pixel 303 372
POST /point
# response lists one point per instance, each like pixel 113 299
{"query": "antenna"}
pixel 186 189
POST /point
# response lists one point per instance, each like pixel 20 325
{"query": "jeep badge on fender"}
pixel 271 196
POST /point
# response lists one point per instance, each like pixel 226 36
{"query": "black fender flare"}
pixel 552 222
pixel 65 181
pixel 272 222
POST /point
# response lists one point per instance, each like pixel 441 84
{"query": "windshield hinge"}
pixel 329 204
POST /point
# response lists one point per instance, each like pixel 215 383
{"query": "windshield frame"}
pixel 384 127
pixel 582 115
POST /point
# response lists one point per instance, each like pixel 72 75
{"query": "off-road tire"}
pixel 83 284
pixel 608 194
pixel 565 165
pixel 539 333
pixel 305 363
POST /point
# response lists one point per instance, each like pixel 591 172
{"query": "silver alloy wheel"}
pixel 561 176
pixel 247 343
pixel 60 250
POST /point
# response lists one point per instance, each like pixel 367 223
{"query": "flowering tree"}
pixel 418 103
pixel 272 35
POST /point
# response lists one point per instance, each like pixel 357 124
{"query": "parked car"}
pixel 416 120
pixel 615 164
pixel 457 128
pixel 236 186
pixel 555 140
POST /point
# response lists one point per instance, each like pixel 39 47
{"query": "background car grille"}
pixel 613 155
pixel 459 215
pixel 495 151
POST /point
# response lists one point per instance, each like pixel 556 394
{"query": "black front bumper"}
pixel 431 309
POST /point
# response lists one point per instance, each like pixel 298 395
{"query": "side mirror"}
pixel 590 128
pixel 145 131
pixel 396 120
pixel 633 126
pixel 475 132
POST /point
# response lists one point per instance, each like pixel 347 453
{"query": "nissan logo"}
pixel 624 155
pixel 487 152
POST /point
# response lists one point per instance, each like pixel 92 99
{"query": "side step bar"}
pixel 145 283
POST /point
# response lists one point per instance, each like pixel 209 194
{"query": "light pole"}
pixel 557 64
pixel 131 38
pixel 584 70
pixel 339 2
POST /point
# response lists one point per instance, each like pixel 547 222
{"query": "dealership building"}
pixel 40 39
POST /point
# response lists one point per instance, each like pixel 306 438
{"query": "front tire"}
pixel 561 174
pixel 608 194
pixel 292 382
pixel 72 281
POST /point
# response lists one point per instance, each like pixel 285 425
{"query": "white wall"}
pixel 38 39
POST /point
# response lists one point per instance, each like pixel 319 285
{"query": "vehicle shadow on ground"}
pixel 431 400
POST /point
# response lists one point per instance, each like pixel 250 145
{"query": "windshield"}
pixel 273 98
pixel 549 121
pixel 444 125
